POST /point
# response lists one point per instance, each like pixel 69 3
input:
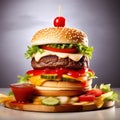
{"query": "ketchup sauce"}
pixel 23 92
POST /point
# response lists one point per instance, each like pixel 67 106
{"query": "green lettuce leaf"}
pixel 32 50
pixel 91 76
pixel 10 93
pixel 23 79
pixel 113 97
pixel 61 46
pixel 106 88
pixel 80 47
pixel 85 50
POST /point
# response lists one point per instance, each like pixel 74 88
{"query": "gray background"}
pixel 20 19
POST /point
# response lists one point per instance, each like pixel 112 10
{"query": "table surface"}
pixel 105 114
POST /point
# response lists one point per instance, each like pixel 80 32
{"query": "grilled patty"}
pixel 52 61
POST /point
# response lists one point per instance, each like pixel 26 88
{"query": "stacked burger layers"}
pixel 60 59
pixel 60 79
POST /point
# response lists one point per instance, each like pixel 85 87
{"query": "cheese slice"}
pixel 75 57
pixel 37 80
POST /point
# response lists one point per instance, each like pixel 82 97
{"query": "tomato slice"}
pixel 77 73
pixel 97 92
pixel 88 98
pixel 60 71
pixel 34 72
pixel 73 73
pixel 65 50
pixel 82 71
pixel 83 84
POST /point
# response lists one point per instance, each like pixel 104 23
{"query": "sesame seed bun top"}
pixel 58 35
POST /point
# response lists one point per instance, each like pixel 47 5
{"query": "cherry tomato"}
pixel 65 50
pixel 59 21
pixel 86 98
pixel 97 92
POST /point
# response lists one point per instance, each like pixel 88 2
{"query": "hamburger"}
pixel 60 79
pixel 60 62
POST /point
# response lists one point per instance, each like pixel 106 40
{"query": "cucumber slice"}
pixel 50 101
pixel 49 76
pixel 68 78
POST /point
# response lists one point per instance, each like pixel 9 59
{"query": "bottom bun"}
pixel 59 108
pixel 61 91
pixel 46 91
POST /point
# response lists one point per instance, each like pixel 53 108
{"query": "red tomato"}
pixel 84 83
pixel 48 71
pixel 60 71
pixel 77 73
pixel 65 50
pixel 97 92
pixel 86 98
pixel 73 73
pixel 83 71
pixel 34 72
pixel 59 21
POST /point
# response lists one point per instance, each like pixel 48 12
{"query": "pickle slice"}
pixel 49 76
pixel 72 79
pixel 50 101
pixel 68 78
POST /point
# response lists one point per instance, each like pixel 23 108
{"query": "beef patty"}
pixel 52 61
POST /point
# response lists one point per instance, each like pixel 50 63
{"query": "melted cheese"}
pixel 75 57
